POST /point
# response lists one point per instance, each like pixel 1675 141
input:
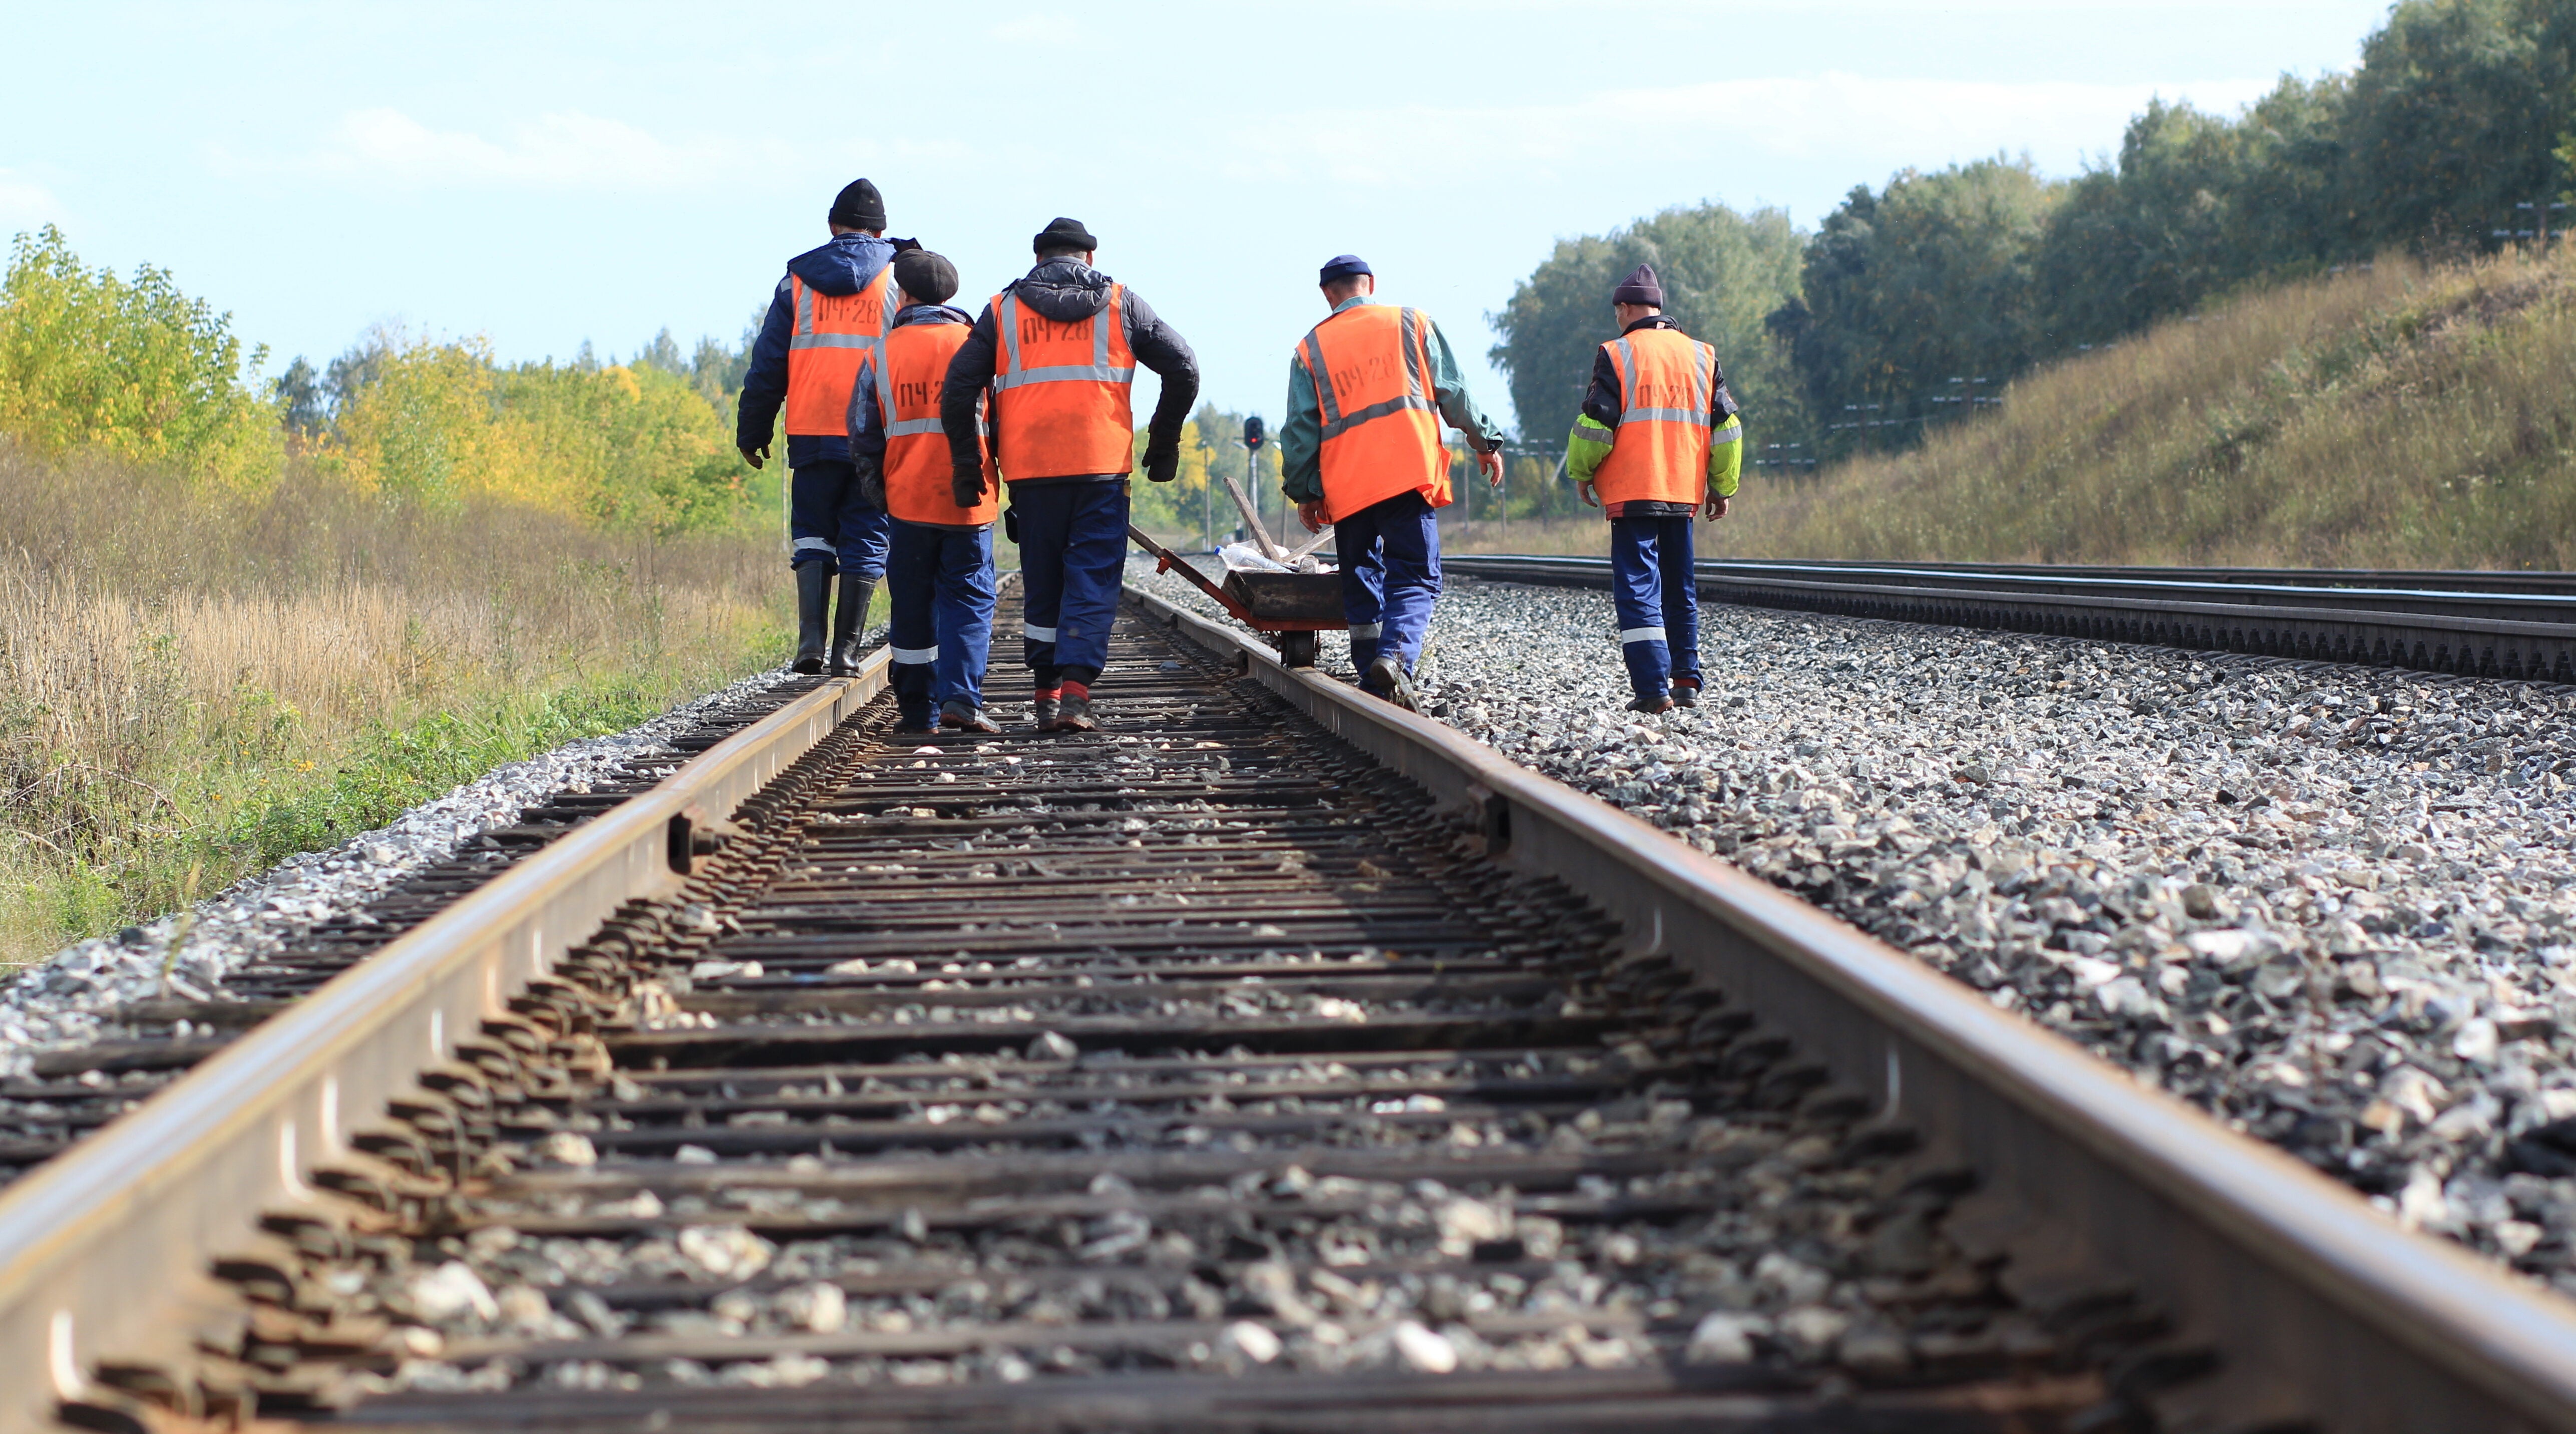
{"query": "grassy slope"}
pixel 2399 417
pixel 193 687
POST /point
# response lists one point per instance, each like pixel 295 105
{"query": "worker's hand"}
pixel 966 486
pixel 756 456
pixel 1162 465
pixel 1314 515
pixel 872 494
pixel 1716 507
pixel 1490 463
pixel 1585 491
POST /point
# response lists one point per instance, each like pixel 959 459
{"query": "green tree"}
pixel 1928 280
pixel 1722 273
pixel 2455 115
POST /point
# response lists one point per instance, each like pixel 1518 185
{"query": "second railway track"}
pixel 2509 625
pixel 1270 1061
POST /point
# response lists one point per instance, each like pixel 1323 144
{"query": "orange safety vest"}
pixel 1659 453
pixel 1372 369
pixel 910 371
pixel 833 333
pixel 1060 391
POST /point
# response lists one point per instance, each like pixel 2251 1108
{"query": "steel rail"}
pixel 2484 634
pixel 2320 1307
pixel 2449 580
pixel 104 1251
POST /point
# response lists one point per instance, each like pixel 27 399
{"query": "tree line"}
pixel 1910 305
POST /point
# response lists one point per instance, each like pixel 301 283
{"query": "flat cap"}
pixel 1343 266
pixel 926 276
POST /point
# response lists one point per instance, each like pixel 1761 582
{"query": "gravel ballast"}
pixel 71 999
pixel 2330 905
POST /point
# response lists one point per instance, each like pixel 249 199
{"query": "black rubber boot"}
pixel 1386 680
pixel 813 604
pixel 849 619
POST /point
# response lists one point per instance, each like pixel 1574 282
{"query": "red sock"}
pixel 1078 690
pixel 1049 694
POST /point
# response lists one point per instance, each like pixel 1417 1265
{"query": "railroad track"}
pixel 2509 625
pixel 1269 1061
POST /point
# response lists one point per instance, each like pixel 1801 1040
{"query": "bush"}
pixel 134 368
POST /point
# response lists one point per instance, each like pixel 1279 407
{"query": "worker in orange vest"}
pixel 1056 354
pixel 828 313
pixel 1657 442
pixel 1361 450
pixel 939 557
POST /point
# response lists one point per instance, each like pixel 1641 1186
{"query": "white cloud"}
pixel 24 203
pixel 555 151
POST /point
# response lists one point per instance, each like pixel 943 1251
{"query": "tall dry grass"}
pixel 195 684
pixel 2400 416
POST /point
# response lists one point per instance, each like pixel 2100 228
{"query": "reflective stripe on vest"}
pixel 1381 429
pixel 1058 419
pixel 911 369
pixel 832 334
pixel 1659 452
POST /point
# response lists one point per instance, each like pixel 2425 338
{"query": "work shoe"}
pixel 1044 707
pixel 1657 703
pixel 966 717
pixel 914 722
pixel 1386 680
pixel 1073 710
pixel 1686 692
pixel 813 606
pixel 849 618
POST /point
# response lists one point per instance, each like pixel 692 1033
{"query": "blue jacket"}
pixel 843 266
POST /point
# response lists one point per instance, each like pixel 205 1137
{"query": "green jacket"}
pixel 1301 439
pixel 1588 446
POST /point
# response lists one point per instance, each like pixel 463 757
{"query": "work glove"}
pixel 756 456
pixel 966 486
pixel 872 494
pixel 1162 465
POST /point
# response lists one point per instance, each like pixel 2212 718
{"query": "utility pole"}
pixel 2534 213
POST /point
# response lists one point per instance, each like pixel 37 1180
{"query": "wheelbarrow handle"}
pixel 1165 562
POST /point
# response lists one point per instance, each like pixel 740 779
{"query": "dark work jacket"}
pixel 1601 402
pixel 1068 291
pixel 843 266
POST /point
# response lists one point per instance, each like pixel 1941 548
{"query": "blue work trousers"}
pixel 827 522
pixel 1073 554
pixel 940 581
pixel 1390 557
pixel 1656 591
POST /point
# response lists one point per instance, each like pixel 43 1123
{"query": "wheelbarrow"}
pixel 1294 606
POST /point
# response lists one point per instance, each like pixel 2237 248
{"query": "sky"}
pixel 541 174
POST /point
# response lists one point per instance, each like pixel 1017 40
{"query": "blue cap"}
pixel 1342 267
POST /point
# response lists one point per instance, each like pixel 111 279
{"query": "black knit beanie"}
pixel 859 206
pixel 1641 288
pixel 1062 233
pixel 928 277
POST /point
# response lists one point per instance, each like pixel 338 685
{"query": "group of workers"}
pixel 913 427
